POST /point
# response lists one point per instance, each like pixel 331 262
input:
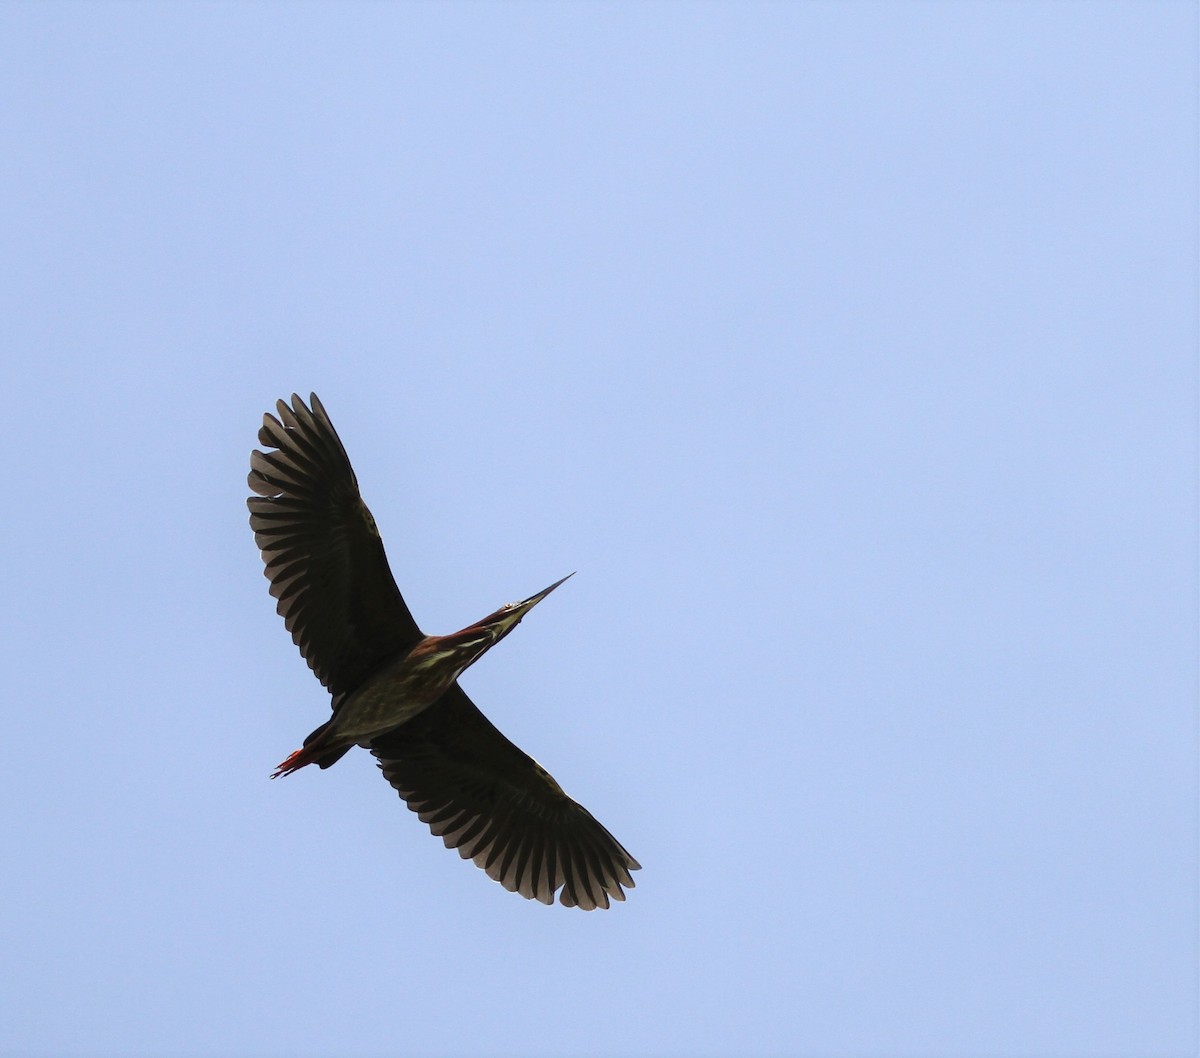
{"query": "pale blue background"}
pixel 847 351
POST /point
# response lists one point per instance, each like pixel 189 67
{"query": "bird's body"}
pixel 395 689
pixel 405 686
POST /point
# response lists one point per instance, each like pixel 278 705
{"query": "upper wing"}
pixel 323 554
pixel 500 808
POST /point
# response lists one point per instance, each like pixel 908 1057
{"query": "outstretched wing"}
pixel 323 555
pixel 500 808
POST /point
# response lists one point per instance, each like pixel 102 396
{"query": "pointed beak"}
pixel 508 617
pixel 524 607
pixel 474 640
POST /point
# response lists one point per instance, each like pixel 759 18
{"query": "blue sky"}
pixel 847 351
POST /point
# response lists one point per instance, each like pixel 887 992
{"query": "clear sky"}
pixel 847 351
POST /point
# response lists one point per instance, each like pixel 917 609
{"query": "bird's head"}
pixel 497 625
pixel 464 648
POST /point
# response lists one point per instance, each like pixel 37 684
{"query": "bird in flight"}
pixel 395 690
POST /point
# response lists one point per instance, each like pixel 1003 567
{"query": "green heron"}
pixel 395 690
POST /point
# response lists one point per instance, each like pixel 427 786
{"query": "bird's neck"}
pixel 452 653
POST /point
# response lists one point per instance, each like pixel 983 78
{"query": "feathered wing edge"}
pixel 321 550
pixel 498 807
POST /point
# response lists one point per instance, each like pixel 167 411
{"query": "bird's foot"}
pixel 291 764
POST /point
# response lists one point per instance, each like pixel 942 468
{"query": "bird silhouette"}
pixel 395 690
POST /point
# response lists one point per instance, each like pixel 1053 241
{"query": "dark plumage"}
pixel 395 690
